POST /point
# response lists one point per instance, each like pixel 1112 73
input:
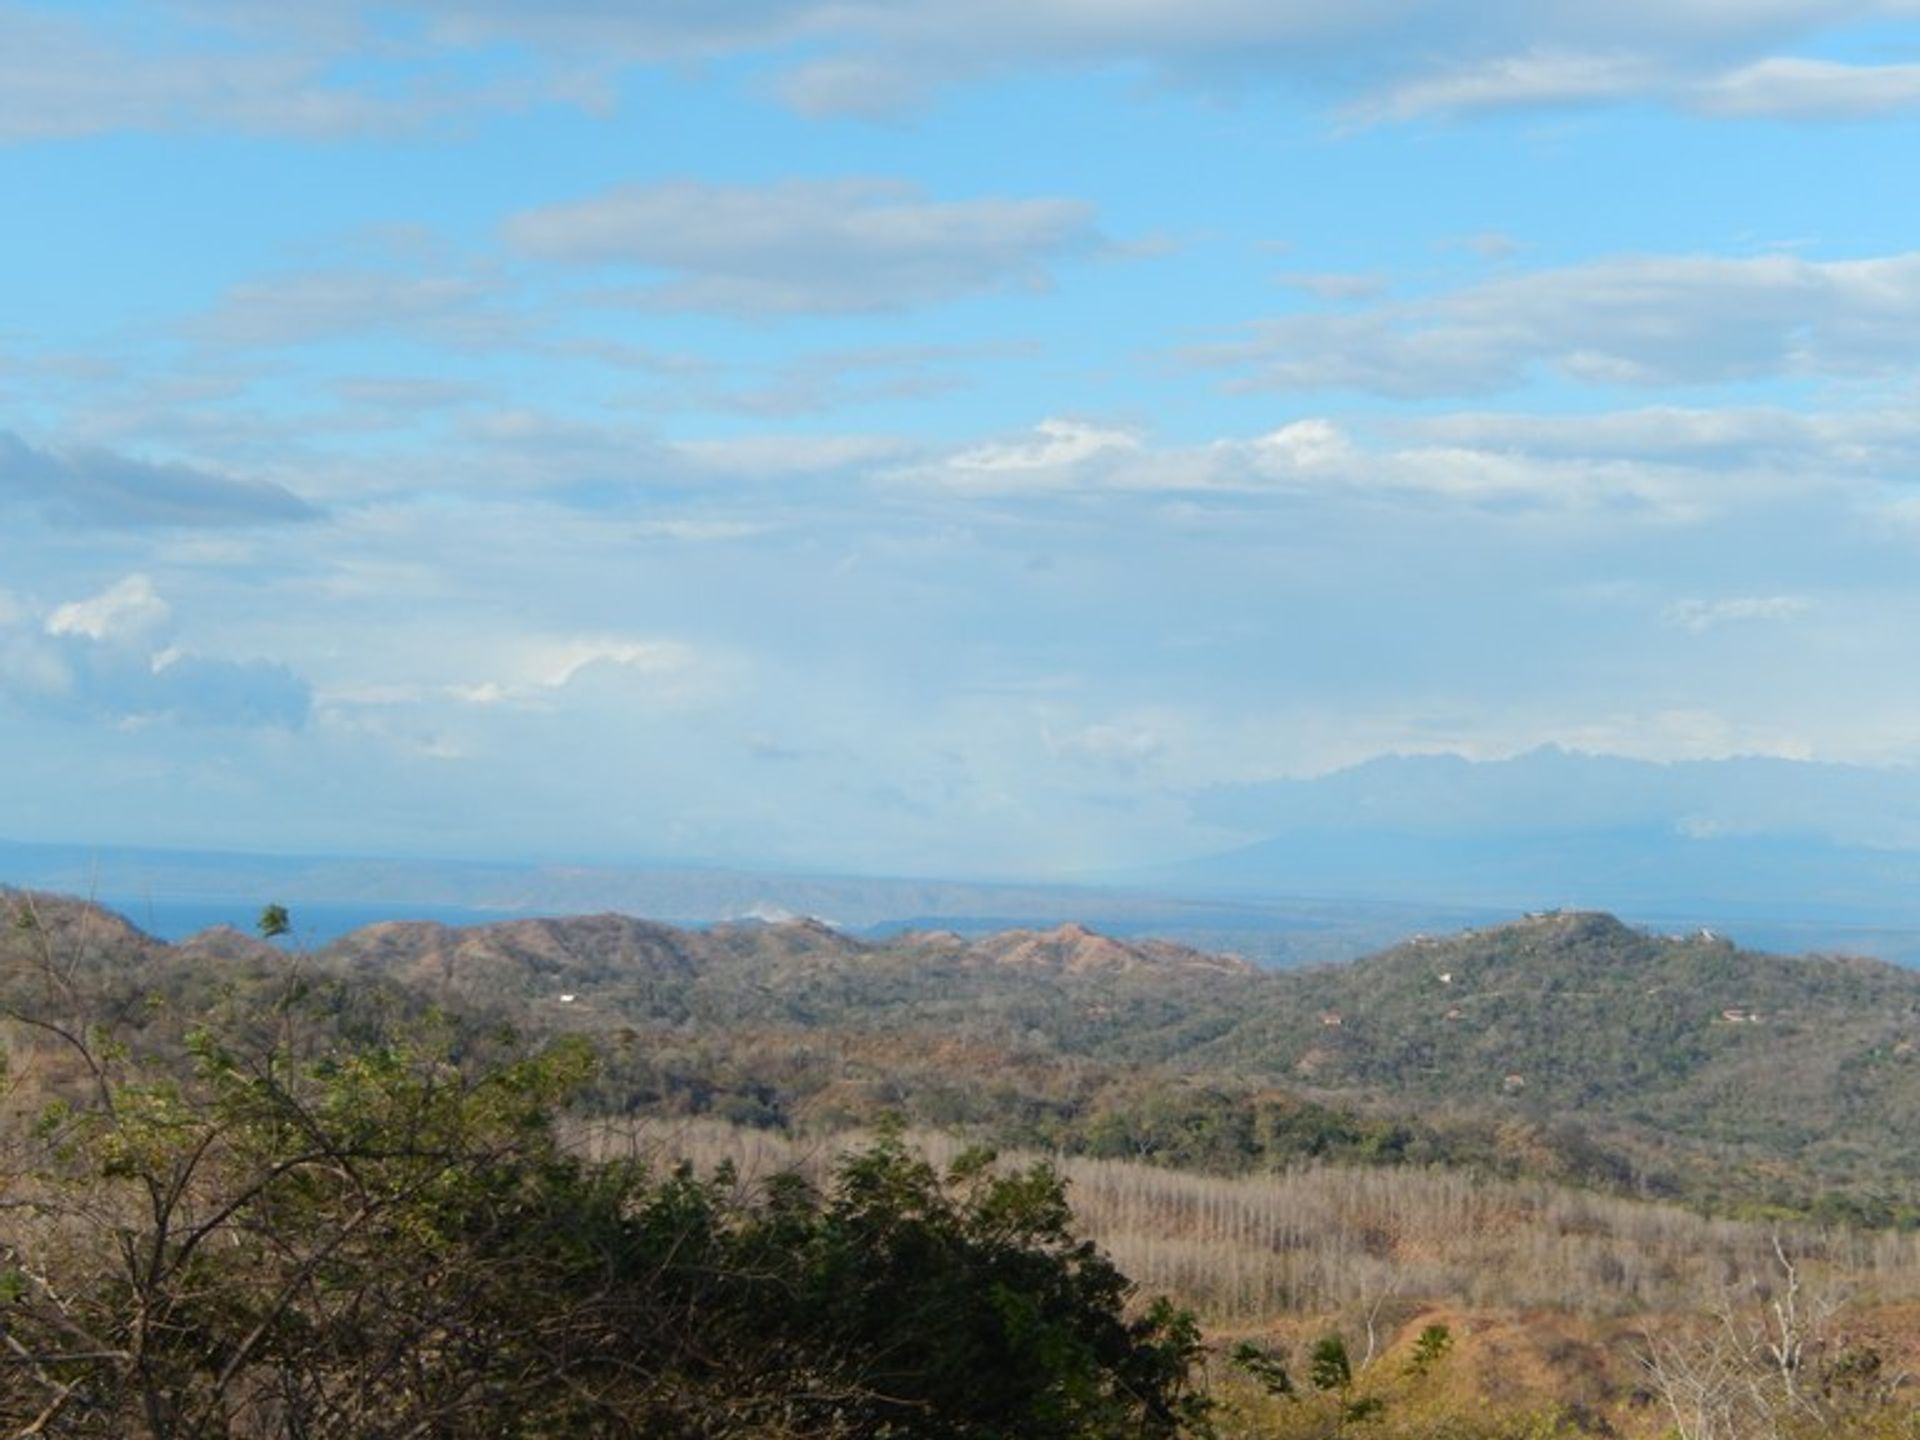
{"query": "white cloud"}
pixel 1125 746
pixel 777 457
pixel 1761 445
pixel 1657 465
pixel 63 79
pixel 286 70
pixel 1662 430
pixel 531 670
pixel 1700 616
pixel 1638 321
pixel 1302 447
pixel 1054 444
pixel 1775 87
pixel 127 611
pixel 819 246
pixel 1789 88
pixel 1398 57
pixel 1506 81
pixel 30 669
pixel 109 657
pixel 555 662
pixel 296 309
pixel 857 85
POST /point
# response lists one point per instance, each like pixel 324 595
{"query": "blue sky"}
pixel 932 437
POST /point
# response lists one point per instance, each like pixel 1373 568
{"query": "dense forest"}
pixel 597 1176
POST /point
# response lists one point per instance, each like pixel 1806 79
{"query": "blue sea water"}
pixel 313 925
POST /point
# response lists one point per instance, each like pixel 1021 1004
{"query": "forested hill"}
pixel 1680 1054
pixel 1568 1040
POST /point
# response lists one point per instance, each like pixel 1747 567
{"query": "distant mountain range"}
pixel 1794 855
pixel 175 893
pixel 1797 855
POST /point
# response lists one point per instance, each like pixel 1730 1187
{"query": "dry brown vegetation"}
pixel 1323 1240
pixel 1570 1311
pixel 1564 1307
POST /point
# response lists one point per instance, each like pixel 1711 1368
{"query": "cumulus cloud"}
pixel 201 690
pixel 99 487
pixel 125 612
pixel 107 656
pixel 554 662
pixel 1659 465
pixel 1055 448
pixel 1635 321
pixel 531 673
pixel 802 246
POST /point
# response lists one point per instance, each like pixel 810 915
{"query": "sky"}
pixel 938 438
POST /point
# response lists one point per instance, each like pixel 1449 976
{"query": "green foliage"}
pixel 313 1240
pixel 1265 1365
pixel 1429 1348
pixel 1328 1367
pixel 273 922
pixel 1166 1057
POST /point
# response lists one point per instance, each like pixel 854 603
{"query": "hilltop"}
pixel 1684 1060
pixel 1564 1044
pixel 167 1074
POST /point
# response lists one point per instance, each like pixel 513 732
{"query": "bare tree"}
pixel 1768 1360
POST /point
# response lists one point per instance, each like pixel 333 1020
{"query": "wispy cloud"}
pixel 1801 89
pixel 1386 57
pixel 1514 81
pixel 1634 321
pixel 1336 284
pixel 1700 616
pixel 832 380
pixel 294 309
pixel 64 79
pixel 284 70
pixel 1196 39
pixel 816 246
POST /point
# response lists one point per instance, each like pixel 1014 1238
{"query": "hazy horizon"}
pixel 1042 442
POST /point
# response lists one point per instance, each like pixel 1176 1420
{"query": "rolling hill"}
pixel 1563 1043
